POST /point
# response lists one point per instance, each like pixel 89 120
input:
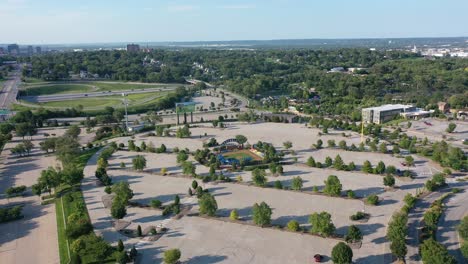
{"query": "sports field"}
pixel 53 88
pixel 241 154
pixel 96 103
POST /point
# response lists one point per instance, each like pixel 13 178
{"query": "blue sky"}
pixel 91 21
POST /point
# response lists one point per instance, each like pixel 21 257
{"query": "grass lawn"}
pixel 62 212
pixel 62 237
pixel 57 89
pixel 95 103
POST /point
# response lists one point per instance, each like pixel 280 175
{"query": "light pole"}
pixel 126 113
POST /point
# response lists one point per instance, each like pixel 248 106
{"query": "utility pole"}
pixel 126 113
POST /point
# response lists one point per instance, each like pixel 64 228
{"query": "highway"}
pixel 64 97
pixel 10 89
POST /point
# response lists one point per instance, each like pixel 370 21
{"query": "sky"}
pixel 98 21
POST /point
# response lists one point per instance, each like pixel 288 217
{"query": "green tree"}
pixel 451 127
pixel 319 144
pixel 321 224
pixel 139 162
pixel 380 168
pixel 241 139
pixel 181 157
pixel 73 132
pixel 188 168
pixel 389 181
pixel 296 183
pixel 207 204
pixel 194 184
pixel 463 228
pixel 409 161
pixel 354 234
pixel 367 167
pixel 328 161
pixel 398 248
pixel 342 254
pixel 433 252
pixel 261 214
pixel 338 163
pixel 118 210
pixel 311 162
pixel 333 186
pixel 278 184
pixel 383 147
pixel 259 177
pixel 172 256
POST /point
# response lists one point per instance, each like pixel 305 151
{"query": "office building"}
pixel 30 50
pixel 384 113
pixel 13 49
pixel 38 50
pixel 133 47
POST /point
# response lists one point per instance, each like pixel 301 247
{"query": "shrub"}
pixel 357 216
pixel 293 225
pixel 234 215
pixel 351 194
pixel 354 234
pixel 332 186
pixel 172 256
pixel 10 214
pixel 278 184
pixel 342 254
pixel 78 228
pixel 261 214
pixel 156 203
pixel 372 199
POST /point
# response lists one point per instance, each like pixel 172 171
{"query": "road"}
pixel 64 97
pixel 10 89
pixel 456 207
pixel 447 225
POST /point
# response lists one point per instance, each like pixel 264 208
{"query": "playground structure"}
pixel 232 152
pixel 187 107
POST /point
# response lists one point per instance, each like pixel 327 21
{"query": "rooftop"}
pixel 388 107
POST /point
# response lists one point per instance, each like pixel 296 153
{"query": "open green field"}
pixel 241 154
pixel 57 89
pixel 51 88
pixel 96 103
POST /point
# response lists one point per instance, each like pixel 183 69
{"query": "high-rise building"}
pixel 133 47
pixel 13 49
pixel 30 50
pixel 38 50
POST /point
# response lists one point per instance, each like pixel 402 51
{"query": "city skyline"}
pixel 55 22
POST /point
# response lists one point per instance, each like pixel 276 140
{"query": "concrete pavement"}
pixel 456 208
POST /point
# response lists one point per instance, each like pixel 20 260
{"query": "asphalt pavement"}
pixel 10 89
pixel 64 97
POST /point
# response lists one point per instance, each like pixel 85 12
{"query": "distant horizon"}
pixel 231 40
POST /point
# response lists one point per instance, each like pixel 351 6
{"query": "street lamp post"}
pixel 126 113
